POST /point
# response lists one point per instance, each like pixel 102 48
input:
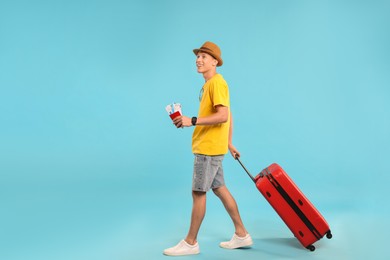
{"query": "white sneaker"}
pixel 183 248
pixel 237 242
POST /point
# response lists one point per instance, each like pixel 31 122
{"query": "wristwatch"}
pixel 193 120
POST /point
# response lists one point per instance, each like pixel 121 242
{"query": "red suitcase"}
pixel 299 214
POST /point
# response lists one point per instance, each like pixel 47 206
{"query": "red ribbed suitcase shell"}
pixel 299 214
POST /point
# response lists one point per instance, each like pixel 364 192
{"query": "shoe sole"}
pixel 243 246
pixel 167 254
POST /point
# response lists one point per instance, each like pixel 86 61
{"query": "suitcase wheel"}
pixel 311 248
pixel 329 235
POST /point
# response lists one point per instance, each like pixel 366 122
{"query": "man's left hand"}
pixel 182 121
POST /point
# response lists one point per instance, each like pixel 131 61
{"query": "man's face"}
pixel 205 62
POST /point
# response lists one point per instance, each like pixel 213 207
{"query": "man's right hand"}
pixel 233 150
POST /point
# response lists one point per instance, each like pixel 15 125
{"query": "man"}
pixel 211 140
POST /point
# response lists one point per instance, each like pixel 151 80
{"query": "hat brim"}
pixel 220 61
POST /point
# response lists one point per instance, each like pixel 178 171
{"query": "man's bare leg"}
pixel 231 207
pixel 198 213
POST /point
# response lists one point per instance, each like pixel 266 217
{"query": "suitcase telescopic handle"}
pixel 246 170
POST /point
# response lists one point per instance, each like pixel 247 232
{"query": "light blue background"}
pixel 92 168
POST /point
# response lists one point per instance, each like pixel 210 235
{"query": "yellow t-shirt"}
pixel 212 139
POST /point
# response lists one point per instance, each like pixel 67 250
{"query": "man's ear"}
pixel 215 63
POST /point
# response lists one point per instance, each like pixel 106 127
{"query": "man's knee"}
pixel 198 194
pixel 218 191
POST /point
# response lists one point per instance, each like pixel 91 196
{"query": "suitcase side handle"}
pixel 246 170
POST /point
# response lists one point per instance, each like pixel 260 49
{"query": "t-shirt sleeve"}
pixel 219 94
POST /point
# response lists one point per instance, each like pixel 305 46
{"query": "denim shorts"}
pixel 208 172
